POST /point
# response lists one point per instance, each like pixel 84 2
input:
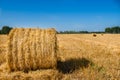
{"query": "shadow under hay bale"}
pixel 71 65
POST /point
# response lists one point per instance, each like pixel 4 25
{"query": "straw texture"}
pixel 31 49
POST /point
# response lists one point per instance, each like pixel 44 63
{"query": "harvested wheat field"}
pixel 80 57
pixel 3 45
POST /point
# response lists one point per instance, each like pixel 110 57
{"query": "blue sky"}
pixel 90 15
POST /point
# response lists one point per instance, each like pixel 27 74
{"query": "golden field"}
pixel 82 57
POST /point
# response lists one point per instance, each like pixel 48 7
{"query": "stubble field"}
pixel 80 57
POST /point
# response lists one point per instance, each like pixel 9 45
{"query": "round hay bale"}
pixel 31 49
pixel 102 34
pixel 94 35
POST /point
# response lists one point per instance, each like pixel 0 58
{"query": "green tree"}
pixel 108 30
pixel 115 29
pixel 5 30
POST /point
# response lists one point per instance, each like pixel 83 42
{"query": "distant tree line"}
pixel 79 32
pixel 114 30
pixel 72 32
pixel 5 30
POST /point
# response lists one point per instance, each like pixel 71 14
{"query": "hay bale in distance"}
pixel 102 34
pixel 31 49
pixel 94 35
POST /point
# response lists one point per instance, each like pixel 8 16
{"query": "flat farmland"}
pixel 80 57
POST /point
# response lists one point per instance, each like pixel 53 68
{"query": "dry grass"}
pixel 3 41
pixel 103 52
pixel 31 49
pixel 32 75
pixel 84 57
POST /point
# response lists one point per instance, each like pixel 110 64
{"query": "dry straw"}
pixel 31 49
